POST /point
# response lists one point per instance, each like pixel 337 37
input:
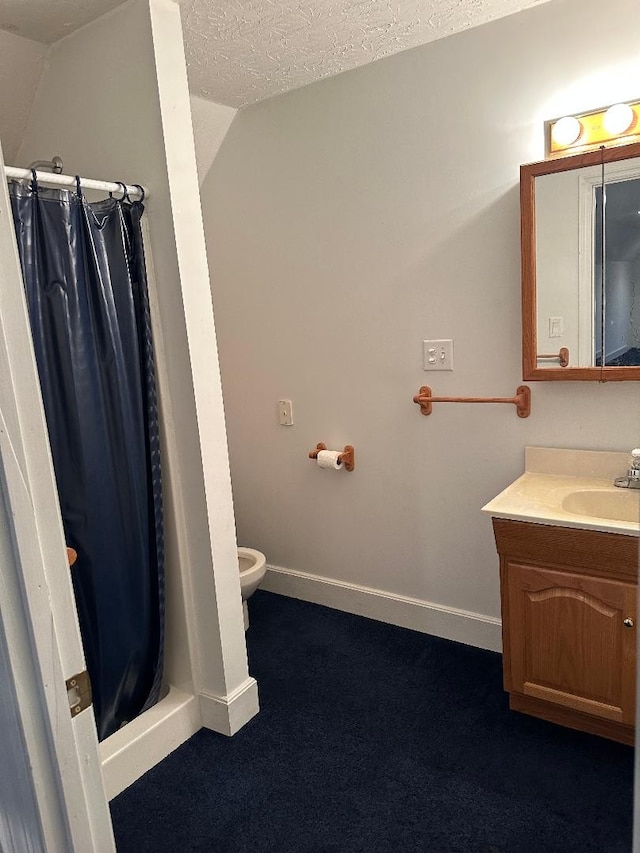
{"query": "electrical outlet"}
pixel 285 413
pixel 438 355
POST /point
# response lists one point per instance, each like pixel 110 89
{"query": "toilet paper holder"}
pixel 346 458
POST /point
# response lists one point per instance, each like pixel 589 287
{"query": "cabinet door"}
pixel 569 643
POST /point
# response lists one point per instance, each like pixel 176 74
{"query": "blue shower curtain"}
pixel 85 281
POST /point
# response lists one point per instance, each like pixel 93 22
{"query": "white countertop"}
pixel 551 475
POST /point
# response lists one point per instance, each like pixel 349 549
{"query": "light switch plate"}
pixel 438 355
pixel 556 327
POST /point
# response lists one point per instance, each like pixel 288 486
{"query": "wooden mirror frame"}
pixel 528 173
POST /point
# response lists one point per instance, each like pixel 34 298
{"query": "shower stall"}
pixel 129 120
pixel 88 302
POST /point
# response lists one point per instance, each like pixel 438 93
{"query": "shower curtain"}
pixel 85 281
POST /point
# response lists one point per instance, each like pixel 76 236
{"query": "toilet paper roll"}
pixel 329 459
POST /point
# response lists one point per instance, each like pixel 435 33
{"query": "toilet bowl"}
pixel 253 567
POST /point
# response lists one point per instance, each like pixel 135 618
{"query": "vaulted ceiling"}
pixel 243 51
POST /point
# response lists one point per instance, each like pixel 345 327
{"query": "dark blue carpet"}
pixel 373 738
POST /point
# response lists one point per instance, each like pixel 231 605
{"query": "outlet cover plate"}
pixel 285 413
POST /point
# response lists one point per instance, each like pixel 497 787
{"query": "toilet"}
pixel 253 567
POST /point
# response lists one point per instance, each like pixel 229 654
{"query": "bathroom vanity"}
pixel 568 580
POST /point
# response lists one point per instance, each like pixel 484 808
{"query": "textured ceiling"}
pixel 242 51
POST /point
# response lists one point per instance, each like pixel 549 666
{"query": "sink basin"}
pixel 616 504
pixel 571 488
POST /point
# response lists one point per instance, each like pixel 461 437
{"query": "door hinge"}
pixel 78 692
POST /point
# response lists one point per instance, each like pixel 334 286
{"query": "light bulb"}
pixel 618 119
pixel 566 130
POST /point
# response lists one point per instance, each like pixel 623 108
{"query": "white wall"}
pixel 619 305
pixel 557 263
pixel 350 220
pixel 211 122
pixel 21 63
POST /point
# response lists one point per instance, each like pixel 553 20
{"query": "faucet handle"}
pixel 634 464
pixel 632 478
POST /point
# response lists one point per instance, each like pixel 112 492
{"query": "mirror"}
pixel 581 266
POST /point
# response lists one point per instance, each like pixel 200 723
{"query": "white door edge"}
pixel 70 793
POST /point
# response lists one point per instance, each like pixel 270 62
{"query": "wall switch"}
pixel 285 413
pixel 438 355
pixel 556 327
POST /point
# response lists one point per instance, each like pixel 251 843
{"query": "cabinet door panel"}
pixel 569 644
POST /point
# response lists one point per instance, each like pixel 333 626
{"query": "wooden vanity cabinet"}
pixel 568 625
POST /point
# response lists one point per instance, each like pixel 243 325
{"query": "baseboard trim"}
pixel 474 629
pixel 145 741
pixel 228 714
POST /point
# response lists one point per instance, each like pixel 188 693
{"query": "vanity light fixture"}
pixel 618 119
pixel 615 125
pixel 566 131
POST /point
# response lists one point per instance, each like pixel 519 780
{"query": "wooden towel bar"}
pixel 562 356
pixel 522 400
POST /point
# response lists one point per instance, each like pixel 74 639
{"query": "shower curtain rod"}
pixel 70 181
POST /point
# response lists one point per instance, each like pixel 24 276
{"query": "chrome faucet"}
pixel 632 479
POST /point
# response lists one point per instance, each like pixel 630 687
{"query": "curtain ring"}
pixel 142 192
pixel 123 190
pixel 34 182
pixel 78 187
